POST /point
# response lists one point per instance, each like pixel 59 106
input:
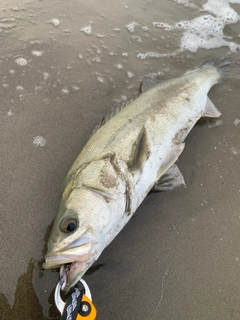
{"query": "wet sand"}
pixel 179 256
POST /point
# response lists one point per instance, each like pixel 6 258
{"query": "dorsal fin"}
pixel 118 106
pixel 146 84
pixel 149 83
pixel 111 113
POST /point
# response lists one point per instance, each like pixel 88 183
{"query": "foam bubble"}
pixel 87 30
pixel 215 123
pixel 116 30
pixel 222 10
pixel 235 151
pixel 21 61
pixel 136 39
pixel 131 26
pixel 130 74
pixel 97 59
pixel 119 66
pixel 65 91
pixel 143 56
pixel 55 22
pixel 19 88
pixel 45 75
pixel 100 79
pixel 125 54
pixel 202 32
pixel 186 3
pixel 37 53
pixel 10 113
pixel 164 26
pixel 39 141
pixel 236 122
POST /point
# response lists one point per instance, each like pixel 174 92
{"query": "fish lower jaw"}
pixel 70 273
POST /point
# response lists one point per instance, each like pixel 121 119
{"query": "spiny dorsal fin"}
pixel 149 83
pixel 118 106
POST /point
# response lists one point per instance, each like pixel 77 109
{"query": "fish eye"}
pixel 69 224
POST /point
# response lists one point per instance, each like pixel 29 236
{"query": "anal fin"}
pixel 171 179
pixel 210 110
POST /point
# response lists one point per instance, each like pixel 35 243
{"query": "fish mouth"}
pixel 72 263
pixel 70 273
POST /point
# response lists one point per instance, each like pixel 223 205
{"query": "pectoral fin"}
pixel 171 179
pixel 140 152
pixel 210 110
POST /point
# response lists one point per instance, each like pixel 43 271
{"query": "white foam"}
pixel 222 10
pixel 205 31
pixel 216 123
pixel 186 3
pixel 130 74
pixel 119 66
pixel 131 26
pixel 65 91
pixel 202 32
pixel 21 61
pixel 55 22
pixel 143 56
pixel 39 141
pixel 10 113
pixel 97 59
pixel 236 122
pixel 37 53
pixel 235 151
pixel 100 79
pixel 45 75
pixel 136 39
pixel 87 30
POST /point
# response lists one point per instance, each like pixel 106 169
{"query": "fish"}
pixel 131 152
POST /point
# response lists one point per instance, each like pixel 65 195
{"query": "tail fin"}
pixel 226 66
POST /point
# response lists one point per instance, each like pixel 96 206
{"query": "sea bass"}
pixel 132 152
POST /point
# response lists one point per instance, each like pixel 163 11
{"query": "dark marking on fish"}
pixel 180 136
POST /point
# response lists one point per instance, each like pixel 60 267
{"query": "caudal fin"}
pixel 228 67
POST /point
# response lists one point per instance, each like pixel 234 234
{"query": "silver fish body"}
pixel 131 153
